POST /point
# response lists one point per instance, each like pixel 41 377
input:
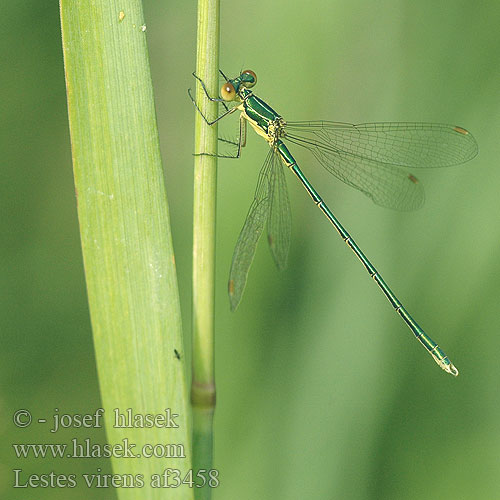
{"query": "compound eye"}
pixel 227 92
pixel 249 78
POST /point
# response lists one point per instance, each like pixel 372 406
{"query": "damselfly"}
pixel 370 157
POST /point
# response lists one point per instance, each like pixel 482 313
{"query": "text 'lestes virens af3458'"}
pixel 370 157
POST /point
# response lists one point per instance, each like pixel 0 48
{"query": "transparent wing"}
pixel 369 156
pixel 246 245
pixel 387 185
pixel 279 224
pixel 401 143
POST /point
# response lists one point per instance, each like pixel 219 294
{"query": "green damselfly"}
pixel 370 157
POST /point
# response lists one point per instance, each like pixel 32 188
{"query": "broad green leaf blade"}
pixel 125 233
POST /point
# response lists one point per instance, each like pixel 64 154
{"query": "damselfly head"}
pixel 228 92
pixel 248 78
pixel 231 90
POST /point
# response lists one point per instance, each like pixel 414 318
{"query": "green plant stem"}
pixel 125 234
pixel 205 184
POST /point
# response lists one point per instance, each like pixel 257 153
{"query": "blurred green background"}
pixel 322 392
